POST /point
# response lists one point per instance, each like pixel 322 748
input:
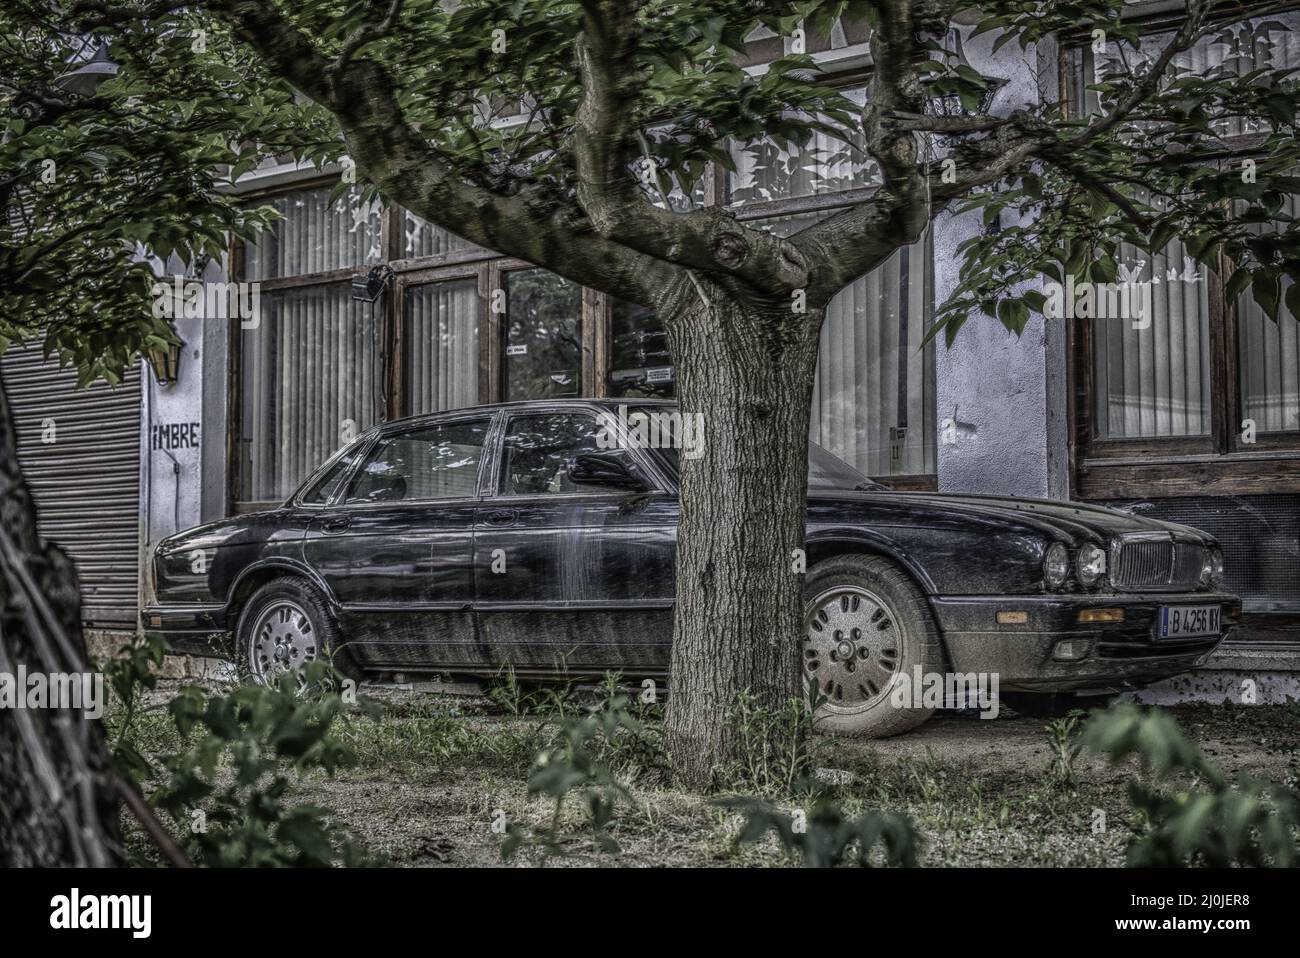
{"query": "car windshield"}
pixel 825 470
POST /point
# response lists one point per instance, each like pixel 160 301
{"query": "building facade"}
pixel 1151 419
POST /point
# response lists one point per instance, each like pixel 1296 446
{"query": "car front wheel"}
pixel 866 627
pixel 284 626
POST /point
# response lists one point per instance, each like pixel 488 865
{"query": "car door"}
pixel 396 545
pixel 572 576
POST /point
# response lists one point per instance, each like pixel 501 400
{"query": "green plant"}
pixel 1188 812
pixel 130 674
pixel 588 750
pixel 1064 747
pixel 826 837
pixel 772 744
pixel 226 788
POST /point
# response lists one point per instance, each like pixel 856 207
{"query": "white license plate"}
pixel 1185 621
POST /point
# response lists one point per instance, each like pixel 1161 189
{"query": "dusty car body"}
pixel 548 555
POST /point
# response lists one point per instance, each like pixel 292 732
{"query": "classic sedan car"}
pixel 520 536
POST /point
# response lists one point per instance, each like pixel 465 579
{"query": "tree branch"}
pixel 605 137
pixel 531 224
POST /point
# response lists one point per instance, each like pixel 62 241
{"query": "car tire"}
pixel 284 625
pixel 866 622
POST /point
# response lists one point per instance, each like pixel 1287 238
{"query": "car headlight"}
pixel 1091 564
pixel 1212 568
pixel 1056 565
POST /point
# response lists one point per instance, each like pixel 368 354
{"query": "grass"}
pixel 437 777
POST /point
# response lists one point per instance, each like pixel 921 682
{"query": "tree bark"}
pixel 58 803
pixel 748 369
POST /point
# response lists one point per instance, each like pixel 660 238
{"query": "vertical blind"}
pixel 311 371
pixel 311 376
pixel 423 238
pixel 873 401
pixel 315 235
pixel 441 348
pixel 1156 381
pixel 767 170
pixel 1270 358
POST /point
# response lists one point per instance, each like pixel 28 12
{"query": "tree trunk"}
pixel 748 369
pixel 58 804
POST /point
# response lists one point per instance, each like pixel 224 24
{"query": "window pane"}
pixel 873 398
pixel 1270 357
pixel 323 488
pixel 543 353
pixel 437 462
pixel 640 366
pixel 538 451
pixel 1268 43
pixel 310 381
pixel 1154 381
pixel 441 365
pixel 425 239
pixel 315 235
pixel 766 171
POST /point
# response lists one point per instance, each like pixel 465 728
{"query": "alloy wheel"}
pixel 283 640
pixel 852 645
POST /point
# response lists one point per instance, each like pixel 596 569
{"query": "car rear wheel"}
pixel 284 626
pixel 866 625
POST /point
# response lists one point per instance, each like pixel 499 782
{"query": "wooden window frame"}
pixel 1218 463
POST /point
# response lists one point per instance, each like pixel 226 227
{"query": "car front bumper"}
pixel 190 629
pixel 1120 655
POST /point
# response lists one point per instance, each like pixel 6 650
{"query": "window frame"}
pixel 495 479
pixel 338 498
pixel 490 269
pixel 1217 463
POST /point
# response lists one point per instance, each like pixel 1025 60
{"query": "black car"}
pixel 520 536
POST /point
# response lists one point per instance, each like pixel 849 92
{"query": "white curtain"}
pixel 315 235
pixel 311 382
pixel 1270 358
pixel 441 346
pixel 1155 381
pixel 873 401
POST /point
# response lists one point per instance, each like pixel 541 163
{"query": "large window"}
pixel 1203 388
pixel 310 370
pixel 460 325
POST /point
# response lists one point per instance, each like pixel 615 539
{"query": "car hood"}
pixel 1073 521
pixel 219 532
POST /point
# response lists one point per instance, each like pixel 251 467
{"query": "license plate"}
pixel 1185 621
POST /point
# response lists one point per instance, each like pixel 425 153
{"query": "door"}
pixel 568 575
pixel 397 544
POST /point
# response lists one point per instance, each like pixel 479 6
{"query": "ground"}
pixel 434 774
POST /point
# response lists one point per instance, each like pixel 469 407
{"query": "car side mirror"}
pixel 604 469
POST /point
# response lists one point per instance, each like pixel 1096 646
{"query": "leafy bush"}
pixel 825 838
pixel 225 786
pixel 1189 813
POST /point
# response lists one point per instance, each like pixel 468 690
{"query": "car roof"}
pixel 540 405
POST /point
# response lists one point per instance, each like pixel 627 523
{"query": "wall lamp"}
pixel 166 363
pixel 369 286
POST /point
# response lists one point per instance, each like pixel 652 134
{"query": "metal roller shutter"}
pixel 87 482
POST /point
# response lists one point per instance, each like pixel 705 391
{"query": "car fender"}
pixel 874 542
pixel 279 564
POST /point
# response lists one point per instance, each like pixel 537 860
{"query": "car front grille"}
pixel 1158 565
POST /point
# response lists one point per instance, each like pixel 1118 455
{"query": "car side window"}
pixel 539 449
pixel 321 490
pixel 435 462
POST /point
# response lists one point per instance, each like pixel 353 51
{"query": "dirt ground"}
pixel 438 778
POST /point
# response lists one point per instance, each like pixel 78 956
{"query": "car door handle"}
pixel 502 517
pixel 335 525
